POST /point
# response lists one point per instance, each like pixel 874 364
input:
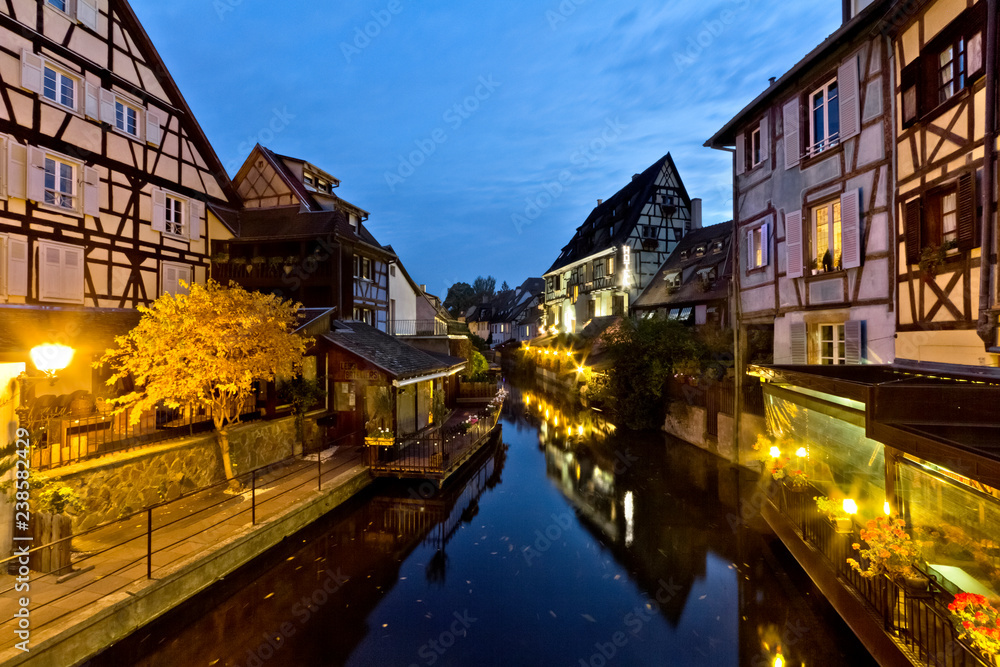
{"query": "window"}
pixel 649 232
pixel 827 236
pixel 171 275
pixel 366 315
pixel 755 152
pixel 951 73
pixel 824 118
pixel 832 345
pixel 610 269
pixel 757 240
pixel 576 294
pixel 60 183
pixel 673 279
pixel 175 216
pixel 59 87
pixel 60 272
pixel 309 180
pixel 126 118
pixel 58 4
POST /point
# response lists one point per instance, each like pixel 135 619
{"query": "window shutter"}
pixel 159 210
pixel 36 174
pixel 87 14
pixel 17 267
pixel 50 272
pixel 850 99
pixel 73 279
pixel 91 192
pixel 765 141
pixel 914 219
pixel 854 342
pixel 107 107
pixel 196 211
pixel 170 284
pixel 793 244
pixel 967 228
pixel 850 229
pixel 154 133
pixel 799 343
pixel 31 71
pixel 792 143
pixel 741 154
pixel 751 256
pixel 17 168
pixel 765 242
pixel 92 105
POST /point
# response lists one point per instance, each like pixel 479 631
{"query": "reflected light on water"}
pixel 629 519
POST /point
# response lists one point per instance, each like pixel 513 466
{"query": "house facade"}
pixel 619 248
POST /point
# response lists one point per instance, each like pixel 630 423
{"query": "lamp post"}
pixel 49 359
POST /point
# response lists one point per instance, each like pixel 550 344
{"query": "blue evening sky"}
pixel 453 123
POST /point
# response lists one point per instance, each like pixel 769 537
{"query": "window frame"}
pixel 169 223
pixel 830 139
pixel 834 238
pixel 755 154
pixel 128 105
pixel 178 266
pixel 761 256
pixel 61 74
pixel 74 196
pixel 838 342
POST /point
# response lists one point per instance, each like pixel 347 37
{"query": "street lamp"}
pixel 49 359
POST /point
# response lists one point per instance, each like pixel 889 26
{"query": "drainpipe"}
pixel 735 314
pixel 987 328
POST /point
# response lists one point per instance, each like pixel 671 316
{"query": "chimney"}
pixel 635 176
pixel 600 201
pixel 423 289
pixel 772 80
pixel 696 214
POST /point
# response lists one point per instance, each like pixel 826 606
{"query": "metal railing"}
pixel 477 390
pixel 919 620
pixel 62 439
pixel 418 328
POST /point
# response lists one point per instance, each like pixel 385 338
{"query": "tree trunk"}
pixel 222 435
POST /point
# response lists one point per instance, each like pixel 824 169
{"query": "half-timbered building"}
pixel 619 248
pixel 296 238
pixel 105 175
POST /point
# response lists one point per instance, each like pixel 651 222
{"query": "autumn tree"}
pixel 207 349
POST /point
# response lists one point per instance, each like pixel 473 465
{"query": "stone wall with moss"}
pixel 121 484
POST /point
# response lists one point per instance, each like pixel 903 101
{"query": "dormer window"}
pixel 717 247
pixel 310 181
pixel 673 279
pixel 684 254
pixel 700 251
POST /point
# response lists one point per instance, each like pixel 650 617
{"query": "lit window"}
pixel 611 266
pixel 949 217
pixel 758 247
pixel 832 346
pixel 126 118
pixel 951 68
pixel 59 88
pixel 824 118
pixel 60 182
pixel 175 216
pixel 827 236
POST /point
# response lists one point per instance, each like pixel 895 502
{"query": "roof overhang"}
pixel 613 250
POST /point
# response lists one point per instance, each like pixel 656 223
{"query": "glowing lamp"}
pixel 778 661
pixel 887 509
pixel 51 358
pixel 850 506
pixel 581 430
pixel 801 453
pixel 775 452
pixel 579 370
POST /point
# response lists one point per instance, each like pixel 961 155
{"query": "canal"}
pixel 566 543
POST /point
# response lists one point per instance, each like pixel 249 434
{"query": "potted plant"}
pixel 888 550
pixel 933 257
pixel 378 426
pixel 977 620
pixel 836 513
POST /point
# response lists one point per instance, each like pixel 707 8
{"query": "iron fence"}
pixel 418 328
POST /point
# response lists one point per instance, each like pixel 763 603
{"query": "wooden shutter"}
pixel 914 214
pixel 154 133
pixel 196 211
pixel 799 343
pixel 850 99
pixel 159 210
pixel 968 237
pixel 765 141
pixel 92 103
pixel 91 192
pixel 741 154
pixel 50 272
pixel 793 244
pixel 87 14
pixel 854 342
pixel 765 242
pixel 17 267
pixel 751 255
pixel 793 145
pixel 31 71
pixel 17 168
pixel 910 85
pixel 72 274
pixel 108 114
pixel 170 284
pixel 851 236
pixel 36 174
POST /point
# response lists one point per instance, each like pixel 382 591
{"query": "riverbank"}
pixel 129 574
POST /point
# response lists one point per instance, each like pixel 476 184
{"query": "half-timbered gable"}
pixel 619 248
pixel 941 95
pixel 813 187
pixel 106 171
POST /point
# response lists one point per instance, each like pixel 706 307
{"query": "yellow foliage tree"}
pixel 207 348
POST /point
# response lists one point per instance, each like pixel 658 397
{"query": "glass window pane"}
pixel 822 234
pixel 49 84
pixel 836 236
pixel 66 96
pixel 833 104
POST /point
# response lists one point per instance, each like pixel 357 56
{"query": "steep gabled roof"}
pixel 617 211
pixel 399 360
pixel 686 262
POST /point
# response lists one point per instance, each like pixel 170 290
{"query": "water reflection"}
pixel 571 543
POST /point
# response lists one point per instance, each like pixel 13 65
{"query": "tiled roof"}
pixel 396 358
pixel 686 261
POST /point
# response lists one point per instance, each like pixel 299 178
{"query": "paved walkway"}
pixel 113 559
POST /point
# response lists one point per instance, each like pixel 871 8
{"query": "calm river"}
pixel 569 543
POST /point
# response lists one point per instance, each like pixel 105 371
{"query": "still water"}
pixel 568 543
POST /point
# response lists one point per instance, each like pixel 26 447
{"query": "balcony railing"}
pixel 418 328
